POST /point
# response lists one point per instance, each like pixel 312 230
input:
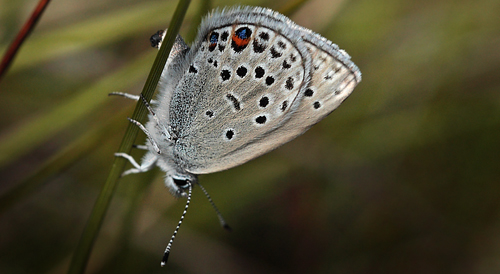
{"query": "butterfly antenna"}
pixel 219 215
pixel 169 246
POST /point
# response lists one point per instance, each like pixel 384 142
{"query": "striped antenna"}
pixel 169 246
pixel 219 215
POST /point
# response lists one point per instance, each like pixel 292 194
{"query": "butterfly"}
pixel 250 82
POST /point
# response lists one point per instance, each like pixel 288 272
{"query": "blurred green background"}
pixel 403 178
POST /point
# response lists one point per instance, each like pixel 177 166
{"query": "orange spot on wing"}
pixel 240 42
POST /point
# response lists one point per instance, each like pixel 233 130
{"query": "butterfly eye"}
pixel 182 183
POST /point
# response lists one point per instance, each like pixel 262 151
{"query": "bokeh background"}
pixel 403 178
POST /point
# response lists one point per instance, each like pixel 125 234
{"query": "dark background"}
pixel 403 178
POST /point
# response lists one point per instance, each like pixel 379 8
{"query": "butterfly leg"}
pixel 126 95
pixel 147 163
pixel 141 147
pixel 150 138
pixel 129 96
pixel 157 121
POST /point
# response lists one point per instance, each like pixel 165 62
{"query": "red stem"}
pixel 23 33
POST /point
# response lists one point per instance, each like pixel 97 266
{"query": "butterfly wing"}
pixel 245 86
pixel 334 76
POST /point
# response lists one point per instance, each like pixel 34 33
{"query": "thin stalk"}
pixel 21 36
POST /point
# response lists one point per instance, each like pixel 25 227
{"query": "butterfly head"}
pixel 178 183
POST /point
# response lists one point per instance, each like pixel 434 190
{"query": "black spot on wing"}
pixel 264 36
pixel 225 74
pixel 269 80
pixel 261 119
pixel 258 47
pixel 286 65
pixel 234 101
pixel 259 72
pixel 264 101
pixel 275 53
pixel 284 105
pixel 241 71
pixel 229 134
pixel 289 83
pixel 213 38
